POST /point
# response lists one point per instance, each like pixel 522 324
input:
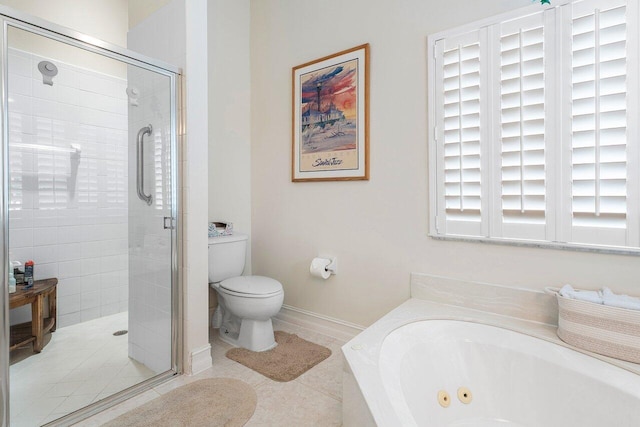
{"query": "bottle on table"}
pixel 28 274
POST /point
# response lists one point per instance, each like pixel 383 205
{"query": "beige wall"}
pixel 377 229
pixel 104 19
pixel 139 10
pixel 195 193
pixel 230 115
pixel 107 20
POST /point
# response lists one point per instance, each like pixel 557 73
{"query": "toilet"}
pixel 246 304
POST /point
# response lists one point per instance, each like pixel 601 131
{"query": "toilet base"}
pixel 254 335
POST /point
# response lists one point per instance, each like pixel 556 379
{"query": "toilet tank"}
pixel 226 256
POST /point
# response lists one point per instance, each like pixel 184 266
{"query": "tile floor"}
pixel 312 399
pixel 81 364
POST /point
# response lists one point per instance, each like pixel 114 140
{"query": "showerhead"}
pixel 49 71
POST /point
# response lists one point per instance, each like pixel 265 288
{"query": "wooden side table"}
pixel 34 331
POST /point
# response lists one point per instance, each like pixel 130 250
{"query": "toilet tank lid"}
pixel 256 285
pixel 235 237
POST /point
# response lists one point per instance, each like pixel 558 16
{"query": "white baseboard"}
pixel 200 360
pixel 335 328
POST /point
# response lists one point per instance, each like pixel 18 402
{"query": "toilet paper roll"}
pixel 319 268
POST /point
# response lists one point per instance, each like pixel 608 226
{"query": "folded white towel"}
pixel 591 296
pixel 622 301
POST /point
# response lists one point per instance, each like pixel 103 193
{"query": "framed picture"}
pixel 331 117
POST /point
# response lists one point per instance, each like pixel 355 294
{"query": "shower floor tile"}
pixel 80 364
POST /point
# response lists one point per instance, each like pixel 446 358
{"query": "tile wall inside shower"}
pixel 68 185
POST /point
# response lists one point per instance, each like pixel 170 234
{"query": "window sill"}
pixel 610 250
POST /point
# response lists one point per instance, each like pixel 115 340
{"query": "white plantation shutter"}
pixel 459 118
pixel 534 120
pixel 601 62
pixel 520 82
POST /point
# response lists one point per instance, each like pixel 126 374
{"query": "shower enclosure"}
pixel 89 193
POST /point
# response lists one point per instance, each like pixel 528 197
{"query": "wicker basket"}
pixel 602 329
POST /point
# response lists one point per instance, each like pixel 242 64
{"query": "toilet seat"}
pixel 251 287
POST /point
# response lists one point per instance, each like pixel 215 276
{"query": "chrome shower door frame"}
pixel 11 18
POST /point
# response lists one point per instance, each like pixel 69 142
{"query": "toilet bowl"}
pixel 245 308
pixel 245 303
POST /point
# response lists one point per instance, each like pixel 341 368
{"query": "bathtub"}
pixel 397 373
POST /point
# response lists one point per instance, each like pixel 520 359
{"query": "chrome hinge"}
pixel 169 223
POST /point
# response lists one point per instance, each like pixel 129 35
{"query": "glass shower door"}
pixel 91 180
pixel 150 218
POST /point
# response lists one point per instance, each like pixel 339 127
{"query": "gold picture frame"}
pixel 331 117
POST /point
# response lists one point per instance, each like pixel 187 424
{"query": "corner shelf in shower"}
pixel 34 331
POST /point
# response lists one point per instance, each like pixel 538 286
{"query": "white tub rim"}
pixel 361 354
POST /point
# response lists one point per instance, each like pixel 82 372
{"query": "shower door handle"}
pixel 140 162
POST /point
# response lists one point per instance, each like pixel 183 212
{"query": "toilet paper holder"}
pixel 324 266
pixel 332 267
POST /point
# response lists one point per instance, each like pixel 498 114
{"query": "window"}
pixel 533 127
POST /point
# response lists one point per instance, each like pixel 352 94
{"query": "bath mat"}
pixel 291 358
pixel 209 402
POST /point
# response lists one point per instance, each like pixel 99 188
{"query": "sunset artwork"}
pixel 328 117
pixel 328 109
